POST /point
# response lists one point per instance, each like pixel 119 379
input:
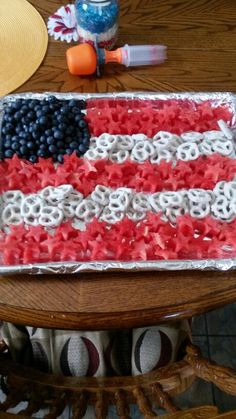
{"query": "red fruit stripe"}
pixel 122 116
pixel 84 175
pixel 152 239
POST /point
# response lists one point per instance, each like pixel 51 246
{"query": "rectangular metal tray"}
pixel 104 266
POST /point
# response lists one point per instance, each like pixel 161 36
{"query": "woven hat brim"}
pixel 23 43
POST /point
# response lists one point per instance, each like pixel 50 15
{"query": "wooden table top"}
pixel 201 40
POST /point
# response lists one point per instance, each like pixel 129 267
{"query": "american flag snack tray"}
pixel 126 181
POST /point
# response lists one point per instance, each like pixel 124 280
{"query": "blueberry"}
pixel 54 157
pixel 65 109
pixel 52 148
pixel 23 142
pixel 35 135
pixel 61 118
pixel 48 132
pixel 60 158
pixel 24 110
pixel 78 117
pixel 73 145
pixel 41 153
pixel 60 144
pixel 7 144
pixel 51 140
pixel 69 130
pixel 43 139
pixel 68 140
pixel 17 116
pixel 8 153
pixel 62 127
pixel 43 147
pixel 52 99
pixel 43 120
pixel 75 110
pixel 8 137
pixel 82 148
pixel 33 158
pixel 46 108
pixel 31 115
pixel 68 151
pixel 82 124
pixel 18 129
pixel 9 127
pixel 58 135
pixel 30 145
pixel 15 146
pixel 24 149
pixel 33 103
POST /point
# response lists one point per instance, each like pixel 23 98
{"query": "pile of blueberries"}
pixel 45 128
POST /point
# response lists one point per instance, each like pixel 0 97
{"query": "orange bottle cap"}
pixel 81 60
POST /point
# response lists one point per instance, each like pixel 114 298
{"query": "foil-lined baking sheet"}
pixel 218 98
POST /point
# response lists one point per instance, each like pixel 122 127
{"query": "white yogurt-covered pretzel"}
pixel 87 210
pixel 107 141
pixel 31 206
pixel 213 135
pixel 119 156
pixel 111 217
pixel 171 199
pixel 229 189
pixel 225 129
pixel 221 209
pixel 50 216
pixel 206 147
pixel 172 213
pixel 125 142
pixel 142 151
pixel 225 148
pixel 119 200
pixel 188 151
pixel 11 214
pixel 13 197
pixel 154 200
pixel 192 136
pixel 200 209
pixel 70 203
pixel 160 155
pixel 199 196
pixel 160 135
pixel 101 195
pixel 135 215
pixel 140 203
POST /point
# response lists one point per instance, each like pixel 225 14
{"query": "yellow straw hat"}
pixel 23 43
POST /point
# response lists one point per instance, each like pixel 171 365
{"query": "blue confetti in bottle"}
pixel 98 21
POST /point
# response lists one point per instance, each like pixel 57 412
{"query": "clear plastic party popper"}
pixel 97 22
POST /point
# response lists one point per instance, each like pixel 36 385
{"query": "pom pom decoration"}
pixel 62 24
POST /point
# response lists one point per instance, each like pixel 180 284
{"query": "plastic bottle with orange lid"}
pixel 84 59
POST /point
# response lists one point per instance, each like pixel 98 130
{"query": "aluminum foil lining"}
pixel 217 98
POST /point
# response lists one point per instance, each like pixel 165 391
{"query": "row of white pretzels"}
pixel 51 206
pixel 163 146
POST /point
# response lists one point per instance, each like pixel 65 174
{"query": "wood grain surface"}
pixel 200 36
pixel 201 40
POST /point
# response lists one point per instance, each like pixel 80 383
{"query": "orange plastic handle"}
pixel 113 56
pixel 82 60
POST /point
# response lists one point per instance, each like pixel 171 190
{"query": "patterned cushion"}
pixel 78 353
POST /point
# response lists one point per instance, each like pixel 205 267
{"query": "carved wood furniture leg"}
pixel 163 399
pixel 223 377
pixel 143 403
pixel 122 406
pixel 79 406
pixel 101 405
